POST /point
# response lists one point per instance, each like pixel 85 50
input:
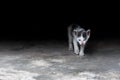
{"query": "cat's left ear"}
pixel 88 32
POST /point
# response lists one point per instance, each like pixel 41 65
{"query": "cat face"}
pixel 83 36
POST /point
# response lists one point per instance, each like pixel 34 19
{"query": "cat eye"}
pixel 84 34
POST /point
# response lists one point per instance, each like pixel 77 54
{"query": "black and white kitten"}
pixel 77 38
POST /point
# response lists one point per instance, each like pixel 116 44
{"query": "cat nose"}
pixel 82 43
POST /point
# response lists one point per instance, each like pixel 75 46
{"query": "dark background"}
pixel 51 23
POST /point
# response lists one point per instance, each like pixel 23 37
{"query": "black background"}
pixel 51 23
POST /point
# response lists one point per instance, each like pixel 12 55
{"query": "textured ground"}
pixel 53 61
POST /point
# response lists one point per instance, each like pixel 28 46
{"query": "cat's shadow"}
pixel 90 49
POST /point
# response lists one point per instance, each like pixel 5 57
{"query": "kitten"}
pixel 77 38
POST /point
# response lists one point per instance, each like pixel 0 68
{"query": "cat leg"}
pixel 81 53
pixel 70 38
pixel 75 45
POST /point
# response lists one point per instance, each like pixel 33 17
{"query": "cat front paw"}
pixel 76 51
pixel 81 54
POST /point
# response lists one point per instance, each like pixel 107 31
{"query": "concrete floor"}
pixel 52 61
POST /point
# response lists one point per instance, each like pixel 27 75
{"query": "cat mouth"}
pixel 82 44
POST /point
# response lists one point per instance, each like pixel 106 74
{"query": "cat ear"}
pixel 88 32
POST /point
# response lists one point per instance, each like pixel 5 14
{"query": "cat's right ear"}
pixel 88 33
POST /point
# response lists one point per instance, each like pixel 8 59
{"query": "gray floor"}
pixel 53 61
